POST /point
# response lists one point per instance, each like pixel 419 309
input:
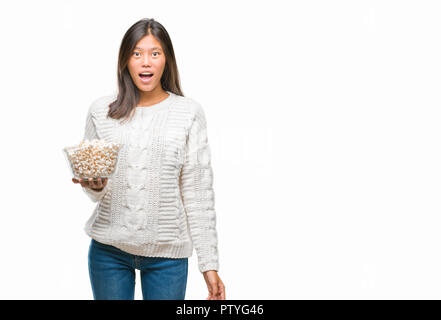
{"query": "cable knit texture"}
pixel 160 200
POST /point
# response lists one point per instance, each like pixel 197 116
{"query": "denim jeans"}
pixel 112 274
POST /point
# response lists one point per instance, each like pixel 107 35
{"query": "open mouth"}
pixel 145 76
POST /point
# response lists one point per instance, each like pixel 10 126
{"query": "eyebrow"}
pixel 153 48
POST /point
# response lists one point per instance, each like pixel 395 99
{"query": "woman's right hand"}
pixel 97 185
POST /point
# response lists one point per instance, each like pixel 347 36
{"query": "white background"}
pixel 324 125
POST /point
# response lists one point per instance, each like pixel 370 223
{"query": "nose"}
pixel 146 61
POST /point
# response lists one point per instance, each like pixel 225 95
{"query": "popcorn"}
pixel 93 158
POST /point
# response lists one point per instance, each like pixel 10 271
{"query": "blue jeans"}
pixel 112 274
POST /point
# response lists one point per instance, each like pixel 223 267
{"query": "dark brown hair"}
pixel 128 93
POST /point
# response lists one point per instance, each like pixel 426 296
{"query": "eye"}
pixel 135 52
pixel 156 52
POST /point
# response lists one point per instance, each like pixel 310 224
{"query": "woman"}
pixel 160 202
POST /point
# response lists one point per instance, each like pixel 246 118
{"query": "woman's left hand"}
pixel 216 288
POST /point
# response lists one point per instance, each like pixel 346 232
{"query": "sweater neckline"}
pixel 157 106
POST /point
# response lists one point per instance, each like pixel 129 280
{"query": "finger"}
pixel 85 183
pixel 210 292
pixel 91 184
pixel 74 180
pixel 99 183
pixel 222 291
pixel 215 291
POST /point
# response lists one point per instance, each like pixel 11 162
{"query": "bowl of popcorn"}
pixel 96 158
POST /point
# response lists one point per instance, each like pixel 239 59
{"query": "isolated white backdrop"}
pixel 323 120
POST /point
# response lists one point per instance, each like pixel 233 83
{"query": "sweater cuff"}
pixel 209 266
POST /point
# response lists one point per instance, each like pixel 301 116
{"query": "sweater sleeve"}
pixel 91 133
pixel 196 184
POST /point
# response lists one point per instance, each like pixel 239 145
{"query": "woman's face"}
pixel 147 57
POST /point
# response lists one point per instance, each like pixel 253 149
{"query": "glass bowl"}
pixel 95 164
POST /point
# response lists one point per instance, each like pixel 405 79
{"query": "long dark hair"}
pixel 128 94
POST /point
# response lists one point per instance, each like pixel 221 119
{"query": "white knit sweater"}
pixel 160 201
